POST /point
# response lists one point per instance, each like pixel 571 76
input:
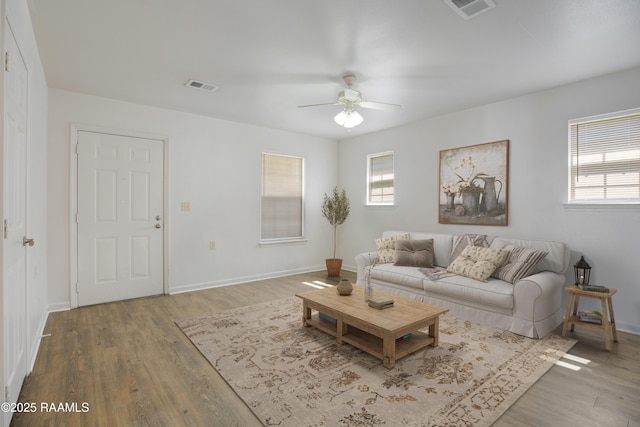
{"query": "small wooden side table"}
pixel 608 319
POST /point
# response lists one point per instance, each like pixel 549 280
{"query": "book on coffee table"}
pixel 328 318
pixel 380 302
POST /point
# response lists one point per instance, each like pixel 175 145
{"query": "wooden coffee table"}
pixel 380 333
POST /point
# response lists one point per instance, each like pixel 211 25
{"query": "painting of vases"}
pixel 473 184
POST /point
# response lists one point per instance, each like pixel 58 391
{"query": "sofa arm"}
pixel 363 261
pixel 538 296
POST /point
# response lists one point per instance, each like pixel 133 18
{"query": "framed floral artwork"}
pixel 474 183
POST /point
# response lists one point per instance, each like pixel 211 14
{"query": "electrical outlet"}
pixel 212 245
pixel 185 206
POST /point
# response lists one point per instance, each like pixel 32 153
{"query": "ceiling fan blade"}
pixel 379 105
pixel 319 105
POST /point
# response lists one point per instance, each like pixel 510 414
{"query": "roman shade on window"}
pixel 282 197
pixel 380 179
pixel 605 158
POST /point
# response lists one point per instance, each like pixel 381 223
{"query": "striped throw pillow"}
pixel 520 263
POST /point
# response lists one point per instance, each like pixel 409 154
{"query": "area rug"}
pixel 290 375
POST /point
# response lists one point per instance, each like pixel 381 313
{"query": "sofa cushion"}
pixel 462 241
pixel 478 262
pixel 414 253
pixel 557 259
pixel 494 292
pixel 521 263
pixel 401 275
pixel 387 247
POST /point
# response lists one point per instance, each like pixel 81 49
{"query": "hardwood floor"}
pixel 133 367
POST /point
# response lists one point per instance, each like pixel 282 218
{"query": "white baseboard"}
pixel 34 347
pixel 62 306
pixel 238 280
pixel 625 327
pixel 351 268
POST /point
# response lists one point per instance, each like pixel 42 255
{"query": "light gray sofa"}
pixel 531 306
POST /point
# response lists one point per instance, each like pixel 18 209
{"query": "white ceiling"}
pixel 269 56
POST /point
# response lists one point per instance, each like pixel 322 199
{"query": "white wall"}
pixel 213 164
pixel 536 126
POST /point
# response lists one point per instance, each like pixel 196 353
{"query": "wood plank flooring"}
pixel 133 367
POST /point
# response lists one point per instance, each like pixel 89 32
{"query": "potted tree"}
pixel 335 208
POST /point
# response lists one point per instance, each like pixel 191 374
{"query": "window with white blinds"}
pixel 282 197
pixel 380 179
pixel 604 157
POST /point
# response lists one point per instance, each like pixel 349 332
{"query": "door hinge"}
pixel 6 61
pixel 77 290
pixel 6 393
pixel 5 232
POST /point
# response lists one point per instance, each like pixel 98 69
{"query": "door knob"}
pixel 158 226
pixel 29 242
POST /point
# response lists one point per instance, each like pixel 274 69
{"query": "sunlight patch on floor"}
pixel 317 284
pixel 568 365
pixel 572 362
pixel 577 359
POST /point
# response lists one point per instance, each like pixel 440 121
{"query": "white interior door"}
pixel 15 222
pixel 120 217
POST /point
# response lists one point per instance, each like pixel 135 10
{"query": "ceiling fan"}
pixel 348 97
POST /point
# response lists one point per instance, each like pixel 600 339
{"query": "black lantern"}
pixel 583 271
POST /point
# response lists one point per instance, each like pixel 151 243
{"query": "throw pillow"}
pixel 414 253
pixel 387 247
pixel 478 262
pixel 464 240
pixel 520 263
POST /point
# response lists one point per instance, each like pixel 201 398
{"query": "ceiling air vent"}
pixel 470 8
pixel 208 87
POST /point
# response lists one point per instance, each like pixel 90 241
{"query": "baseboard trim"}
pixel 625 327
pixel 238 280
pixel 173 290
pixel 62 306
pixel 351 268
pixel 35 343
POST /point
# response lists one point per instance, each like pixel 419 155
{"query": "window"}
pixel 380 186
pixel 282 197
pixel 605 158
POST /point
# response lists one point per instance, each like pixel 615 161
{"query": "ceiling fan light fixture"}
pixel 350 98
pixel 348 118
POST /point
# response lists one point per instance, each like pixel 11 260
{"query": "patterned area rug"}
pixel 290 375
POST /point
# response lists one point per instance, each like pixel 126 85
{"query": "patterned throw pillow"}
pixel 520 263
pixel 387 247
pixel 477 262
pixel 464 240
pixel 414 253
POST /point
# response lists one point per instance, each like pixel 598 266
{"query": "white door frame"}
pixel 73 202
